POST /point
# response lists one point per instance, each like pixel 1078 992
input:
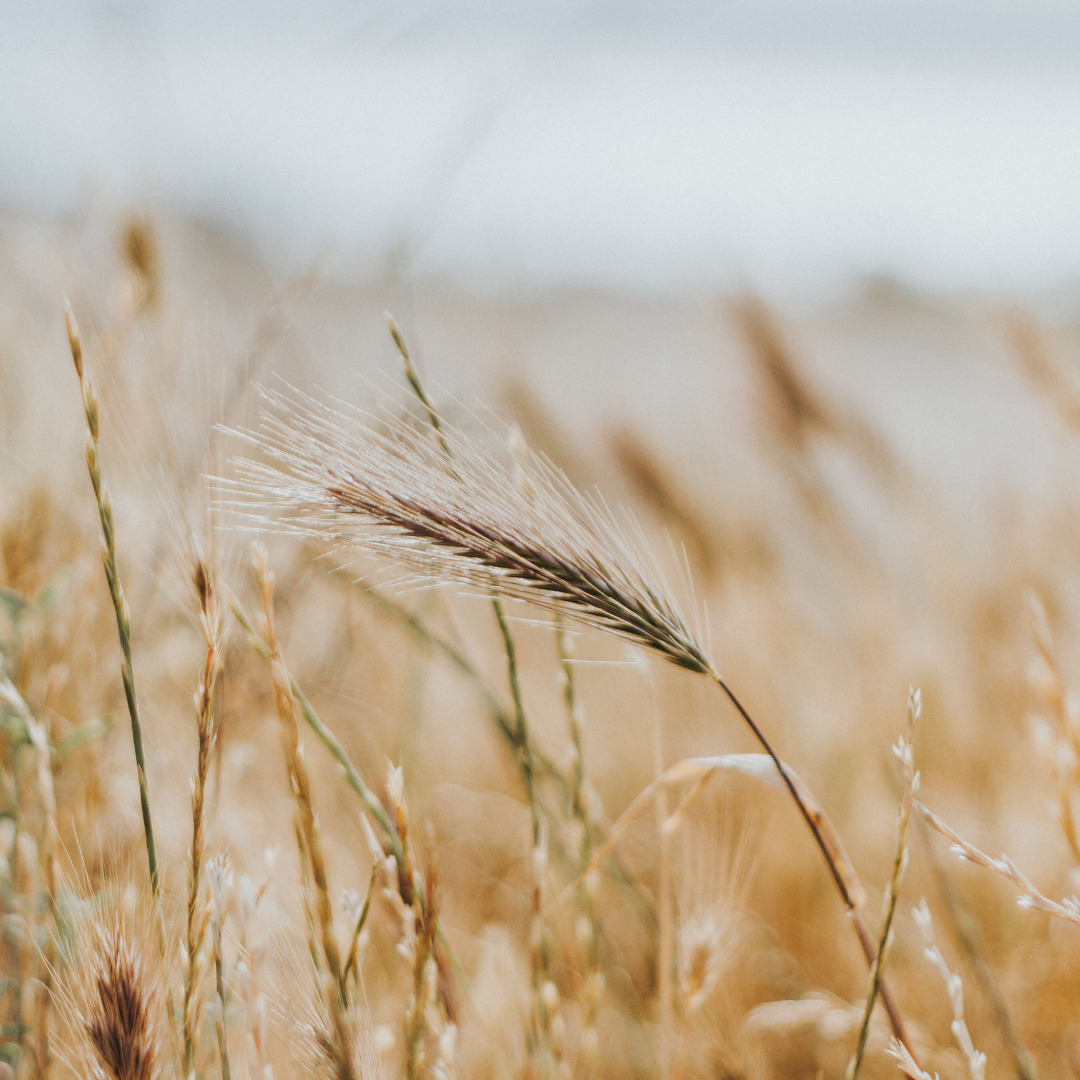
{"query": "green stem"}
pixel 329 740
pixel 521 731
pixel 116 592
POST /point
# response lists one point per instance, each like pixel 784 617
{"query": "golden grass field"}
pixel 868 496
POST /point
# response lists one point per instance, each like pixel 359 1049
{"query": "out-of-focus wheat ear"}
pixel 1033 354
pixel 976 1059
pixel 337 993
pixel 38 739
pixel 139 244
pixel 119 1010
pixel 795 406
pixel 116 592
pixel 211 623
pixel 710 891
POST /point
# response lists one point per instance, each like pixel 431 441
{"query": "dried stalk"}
pixel 210 622
pixel 1030 897
pixel 905 753
pixel 337 993
pixel 116 592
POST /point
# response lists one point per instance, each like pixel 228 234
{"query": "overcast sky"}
pixel 793 146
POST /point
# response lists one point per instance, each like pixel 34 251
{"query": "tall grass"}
pixel 572 864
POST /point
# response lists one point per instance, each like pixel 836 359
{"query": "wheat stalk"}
pixel 336 993
pixel 116 590
pixel 211 624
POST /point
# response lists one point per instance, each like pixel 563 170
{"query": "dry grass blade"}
pixel 697 771
pixel 116 591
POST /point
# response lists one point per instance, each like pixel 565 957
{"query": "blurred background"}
pixel 790 147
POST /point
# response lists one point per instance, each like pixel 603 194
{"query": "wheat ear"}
pixel 118 1019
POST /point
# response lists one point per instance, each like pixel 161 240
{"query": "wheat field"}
pixel 572 685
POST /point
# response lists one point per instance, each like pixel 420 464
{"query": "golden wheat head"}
pixel 448 508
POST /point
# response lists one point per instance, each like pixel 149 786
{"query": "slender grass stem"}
pixel 905 753
pixel 207 733
pixel 116 592
pixel 521 728
pixel 337 993
pixel 327 737
pixel 123 628
pixel 866 942
pixel 579 812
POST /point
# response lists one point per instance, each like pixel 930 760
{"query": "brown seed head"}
pixel 118 1018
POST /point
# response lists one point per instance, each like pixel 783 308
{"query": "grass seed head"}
pixel 118 1010
pixel 393 494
